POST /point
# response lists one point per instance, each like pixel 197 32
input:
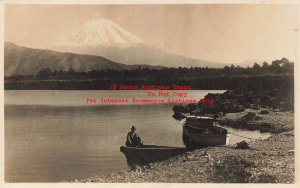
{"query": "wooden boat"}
pixel 150 153
pixel 201 132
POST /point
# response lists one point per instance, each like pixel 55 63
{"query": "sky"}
pixel 219 33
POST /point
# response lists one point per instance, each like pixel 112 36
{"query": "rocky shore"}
pixel 265 161
pixel 273 122
pixel 238 100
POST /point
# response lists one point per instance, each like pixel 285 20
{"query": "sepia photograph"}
pixel 150 93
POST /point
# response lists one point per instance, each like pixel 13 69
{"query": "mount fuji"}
pixel 100 32
pixel 102 37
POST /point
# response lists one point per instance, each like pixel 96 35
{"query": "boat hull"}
pixel 150 153
pixel 193 137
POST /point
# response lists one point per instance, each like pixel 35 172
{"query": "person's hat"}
pixel 133 128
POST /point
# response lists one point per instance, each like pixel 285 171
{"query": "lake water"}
pixel 53 136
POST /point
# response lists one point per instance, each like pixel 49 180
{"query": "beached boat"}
pixel 201 132
pixel 150 153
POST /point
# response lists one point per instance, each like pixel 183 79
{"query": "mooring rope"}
pixel 229 133
pixel 244 136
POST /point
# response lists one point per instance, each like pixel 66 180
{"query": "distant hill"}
pixel 249 62
pixel 27 61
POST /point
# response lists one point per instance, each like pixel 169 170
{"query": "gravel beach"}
pixel 266 161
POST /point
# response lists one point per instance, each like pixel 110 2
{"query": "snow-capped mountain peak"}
pixel 99 32
pixel 101 37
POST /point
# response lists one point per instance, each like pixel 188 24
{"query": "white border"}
pixel 152 185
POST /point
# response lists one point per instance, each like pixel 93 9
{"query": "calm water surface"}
pixel 53 136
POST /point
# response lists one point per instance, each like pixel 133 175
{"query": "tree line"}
pixel 278 72
pixel 283 66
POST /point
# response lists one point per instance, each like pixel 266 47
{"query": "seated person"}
pixel 133 139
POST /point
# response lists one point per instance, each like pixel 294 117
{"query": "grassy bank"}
pixel 267 161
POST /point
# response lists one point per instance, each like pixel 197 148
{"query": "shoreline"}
pixel 266 161
pixel 273 122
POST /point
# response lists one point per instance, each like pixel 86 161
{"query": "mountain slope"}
pixel 27 61
pixel 107 39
